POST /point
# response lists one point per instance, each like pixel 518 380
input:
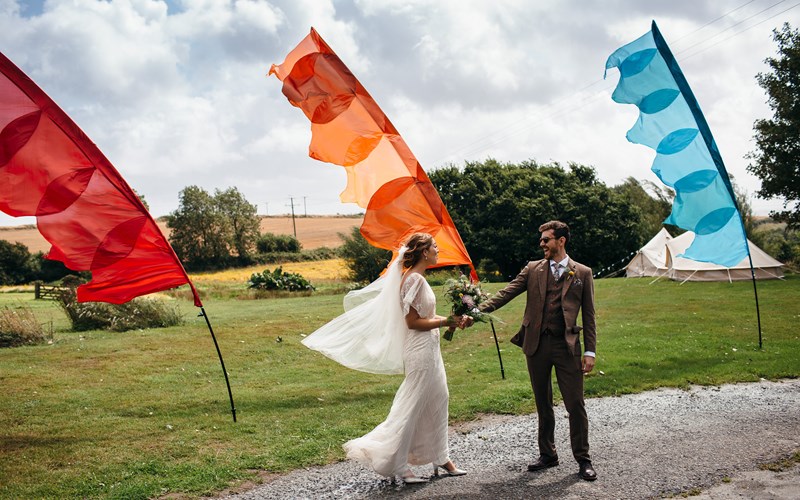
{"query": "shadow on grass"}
pixel 271 403
pixel 253 404
pixel 16 442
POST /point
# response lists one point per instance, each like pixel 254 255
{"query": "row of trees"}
pixel 498 208
pixel 19 266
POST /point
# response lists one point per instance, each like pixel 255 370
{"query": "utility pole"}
pixel 305 212
pixel 294 226
pixel 266 205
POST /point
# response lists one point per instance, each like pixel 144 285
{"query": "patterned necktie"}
pixel 556 270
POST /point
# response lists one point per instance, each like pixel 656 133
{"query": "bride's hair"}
pixel 416 244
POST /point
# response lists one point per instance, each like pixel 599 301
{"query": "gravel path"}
pixel 659 443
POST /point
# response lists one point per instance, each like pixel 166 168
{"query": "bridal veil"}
pixel 369 335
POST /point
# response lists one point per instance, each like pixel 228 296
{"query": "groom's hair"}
pixel 559 229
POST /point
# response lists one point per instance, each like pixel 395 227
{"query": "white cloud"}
pixel 175 93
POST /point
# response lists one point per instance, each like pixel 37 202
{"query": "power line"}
pixel 733 26
pixel 713 21
pixel 740 32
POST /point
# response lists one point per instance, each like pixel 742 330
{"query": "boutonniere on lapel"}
pixel 576 281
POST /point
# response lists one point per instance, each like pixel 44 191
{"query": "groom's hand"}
pixel 588 364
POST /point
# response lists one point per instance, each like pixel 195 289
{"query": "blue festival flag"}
pixel 687 158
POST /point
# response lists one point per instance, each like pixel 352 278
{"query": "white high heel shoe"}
pixel 408 477
pixel 455 472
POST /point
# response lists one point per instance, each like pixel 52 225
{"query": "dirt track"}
pixel 664 443
pixel 313 231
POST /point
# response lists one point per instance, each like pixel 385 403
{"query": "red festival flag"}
pixel 383 176
pixel 94 221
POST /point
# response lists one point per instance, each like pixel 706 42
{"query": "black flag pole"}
pixel 219 353
pixel 755 292
pixel 497 344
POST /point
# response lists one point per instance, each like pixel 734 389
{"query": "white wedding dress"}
pixel 372 336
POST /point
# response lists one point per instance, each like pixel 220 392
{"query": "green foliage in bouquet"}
pixel 279 280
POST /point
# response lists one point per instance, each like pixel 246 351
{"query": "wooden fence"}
pixel 42 291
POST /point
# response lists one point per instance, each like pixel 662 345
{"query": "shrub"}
pixel 440 276
pixel 18 326
pixel 138 313
pixel 365 261
pixel 18 266
pixel 489 271
pixel 14 263
pixel 322 253
pixel 270 243
pixel 279 280
pixel 48 271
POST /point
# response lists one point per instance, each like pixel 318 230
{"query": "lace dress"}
pixel 415 432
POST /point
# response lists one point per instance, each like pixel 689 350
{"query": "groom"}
pixel 557 287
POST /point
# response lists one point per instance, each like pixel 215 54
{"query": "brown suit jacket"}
pixel 577 294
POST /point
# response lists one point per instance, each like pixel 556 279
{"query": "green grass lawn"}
pixel 145 413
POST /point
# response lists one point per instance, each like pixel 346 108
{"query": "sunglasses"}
pixel 546 239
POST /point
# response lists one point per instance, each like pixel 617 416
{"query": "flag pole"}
pixel 219 353
pixel 497 344
pixel 755 292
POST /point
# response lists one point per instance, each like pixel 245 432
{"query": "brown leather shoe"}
pixel 587 472
pixel 543 463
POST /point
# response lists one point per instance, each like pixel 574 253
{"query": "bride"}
pixel 391 326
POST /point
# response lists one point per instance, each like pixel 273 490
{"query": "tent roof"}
pixel 679 244
pixel 655 250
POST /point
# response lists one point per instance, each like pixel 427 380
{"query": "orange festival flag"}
pixel 94 221
pixel 383 176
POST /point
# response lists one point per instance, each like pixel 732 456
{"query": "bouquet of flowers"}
pixel 465 297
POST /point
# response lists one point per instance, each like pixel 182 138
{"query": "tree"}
pixel 365 261
pixel 498 209
pixel 15 261
pixel 776 159
pixel 243 219
pixel 213 231
pixel 746 212
pixel 47 270
pixel 199 232
pixel 653 208
pixel 141 198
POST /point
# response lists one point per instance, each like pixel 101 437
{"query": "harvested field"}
pixel 312 231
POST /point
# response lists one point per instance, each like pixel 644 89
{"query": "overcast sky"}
pixel 175 92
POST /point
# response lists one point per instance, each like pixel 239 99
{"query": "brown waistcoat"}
pixel 553 314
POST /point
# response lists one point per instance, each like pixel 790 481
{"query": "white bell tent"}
pixel 651 259
pixel 659 257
